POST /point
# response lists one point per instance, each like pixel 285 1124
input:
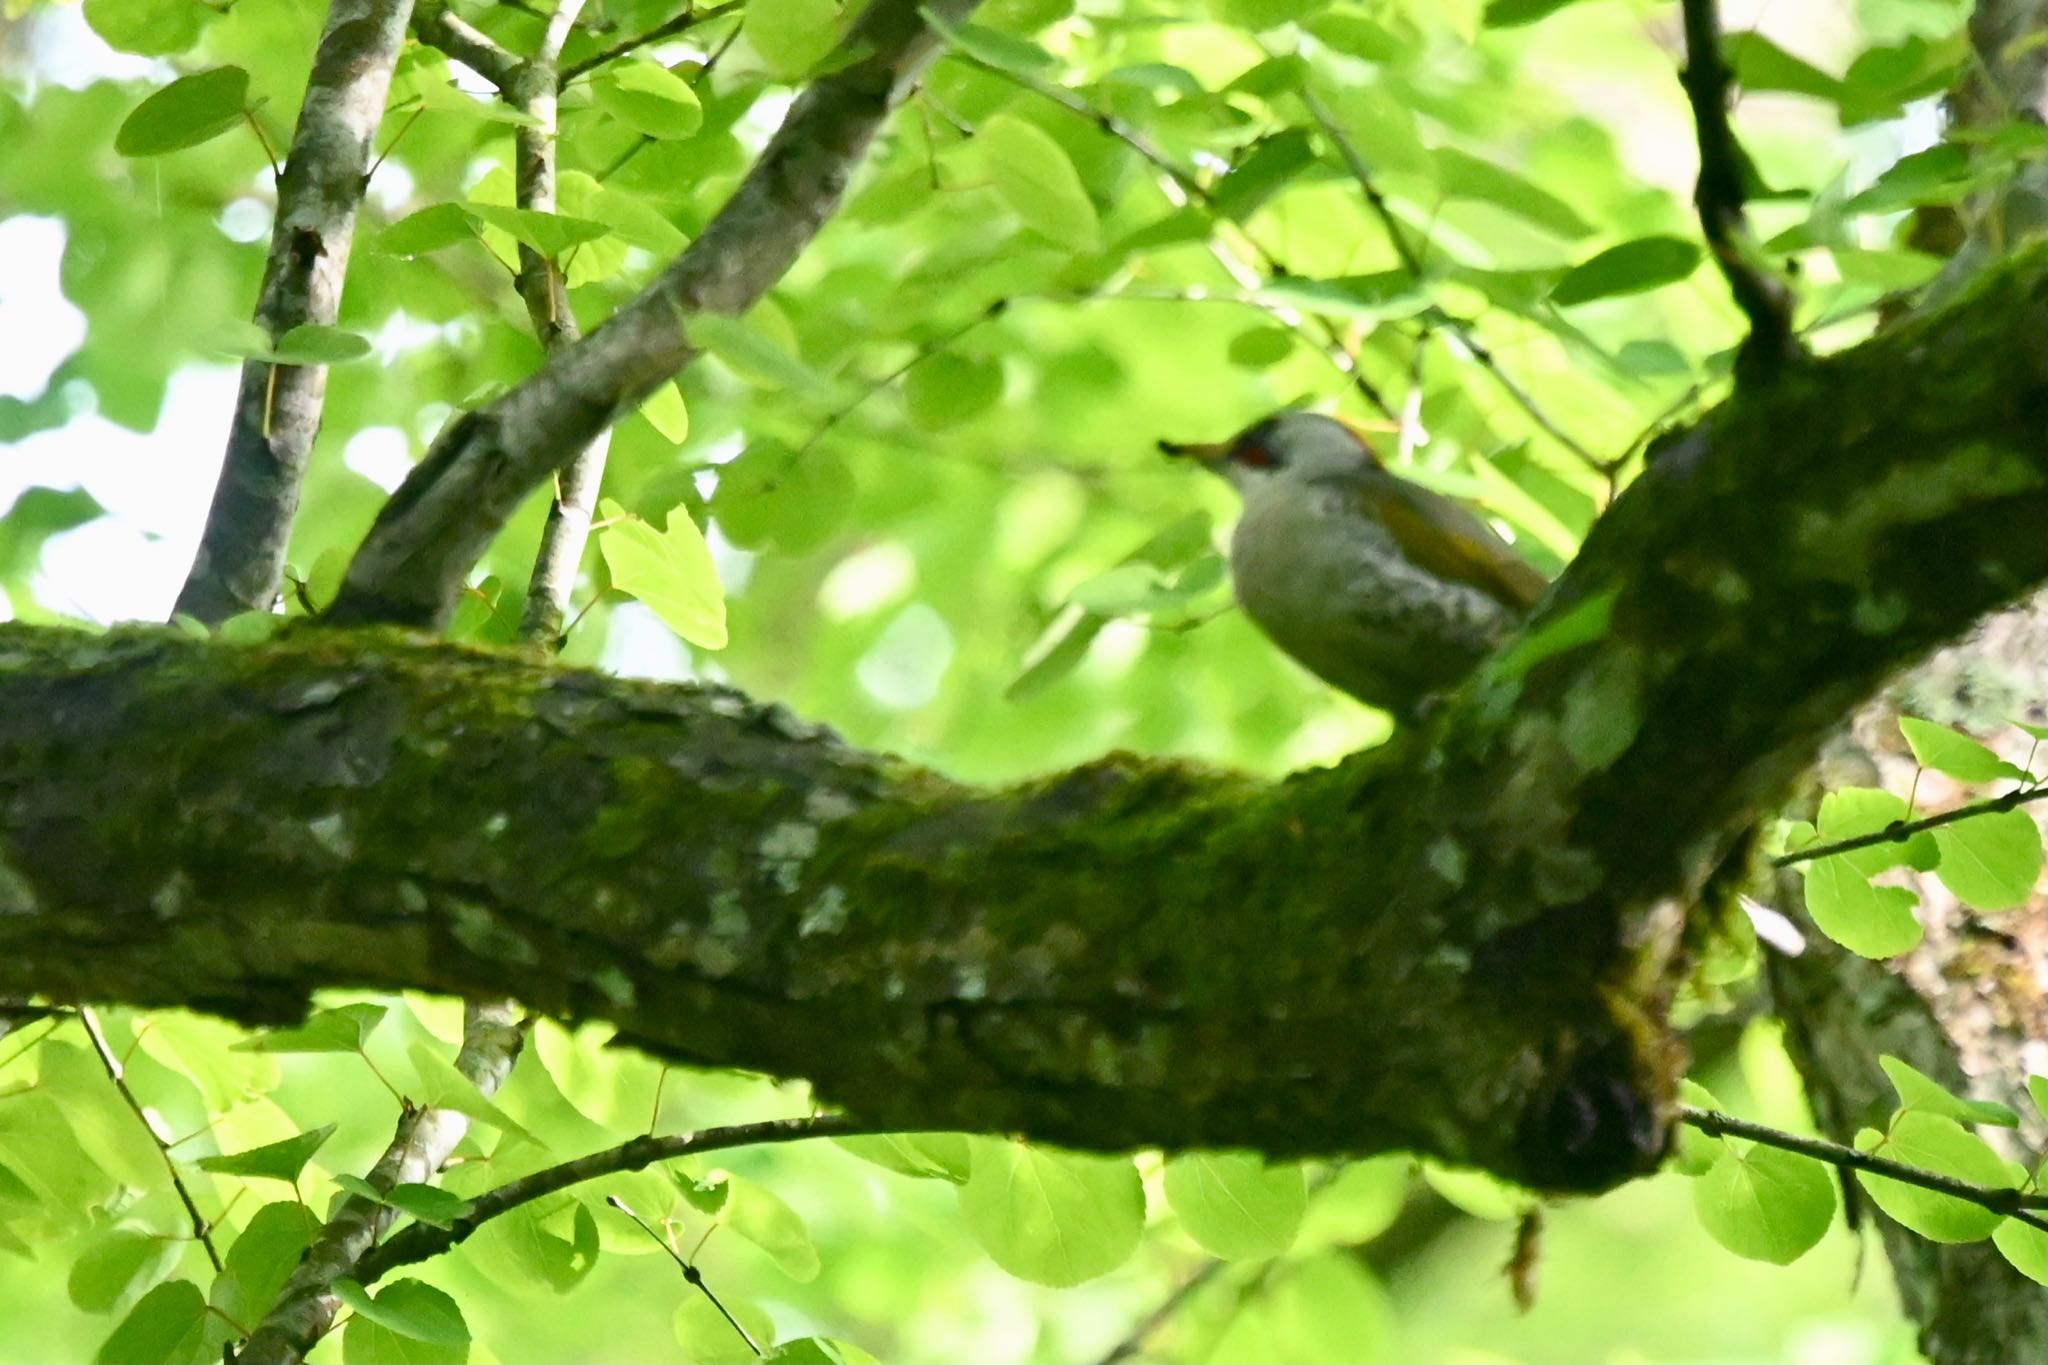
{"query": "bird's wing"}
pixel 1443 537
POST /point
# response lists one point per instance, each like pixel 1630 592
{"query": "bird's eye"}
pixel 1256 455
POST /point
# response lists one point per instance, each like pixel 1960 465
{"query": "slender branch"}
pixel 1762 296
pixel 1181 188
pixel 240 563
pixel 535 92
pixel 305 1308
pixel 1412 262
pixel 422 1241
pixel 1135 1340
pixel 1898 831
pixel 411 567
pixel 201 1228
pixel 2013 1203
pixel 682 23
pixel 455 36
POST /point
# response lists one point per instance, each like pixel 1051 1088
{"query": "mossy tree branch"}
pixel 1461 943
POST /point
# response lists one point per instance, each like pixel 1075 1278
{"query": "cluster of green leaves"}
pixel 1772 1204
pixel 1990 859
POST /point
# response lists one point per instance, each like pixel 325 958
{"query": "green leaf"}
pixel 1631 268
pixel 791 36
pixel 1052 1217
pixel 443 1087
pixel 1362 298
pixel 430 229
pixel 1852 812
pixel 1760 64
pixel 165 1327
pixel 1460 175
pixel 753 356
pixel 1941 174
pixel 758 1214
pixel 944 390
pixel 1032 174
pixel 2037 1091
pixel 273 1160
pixel 771 496
pixel 1515 13
pixel 929 1156
pixel 1948 751
pixel 1871 921
pixel 671 571
pixel 1259 348
pixel 1940 1145
pixel 149 28
pixel 1990 861
pixel 999 50
pixel 2024 1247
pixel 648 98
pixel 1919 1091
pixel 261 1259
pixel 1273 162
pixel 817 1351
pixel 1765 1204
pixel 551 234
pixel 667 413
pixel 1479 1193
pixel 405 1321
pixel 311 343
pixel 342 1029
pixel 190 110
pixel 119 1263
pixel 1234 1204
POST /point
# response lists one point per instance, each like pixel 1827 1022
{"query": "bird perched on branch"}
pixel 1377 585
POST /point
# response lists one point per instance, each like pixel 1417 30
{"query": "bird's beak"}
pixel 1202 452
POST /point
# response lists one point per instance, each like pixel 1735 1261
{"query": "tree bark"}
pixel 1461 944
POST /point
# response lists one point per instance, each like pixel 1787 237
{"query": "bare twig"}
pixel 1762 296
pixel 411 566
pixel 277 412
pixel 1898 831
pixel 691 1274
pixel 2013 1203
pixel 202 1230
pixel 422 1241
pixel 305 1309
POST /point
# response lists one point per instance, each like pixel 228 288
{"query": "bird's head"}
pixel 1289 445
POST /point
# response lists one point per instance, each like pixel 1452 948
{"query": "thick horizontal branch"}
pixel 277 410
pixel 410 568
pixel 1462 943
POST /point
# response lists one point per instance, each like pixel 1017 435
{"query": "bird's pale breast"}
pixel 1325 579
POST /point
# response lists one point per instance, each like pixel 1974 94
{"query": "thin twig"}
pixel 1412 262
pixel 1181 188
pixel 1898 831
pixel 422 1241
pixel 1762 296
pixel 924 350
pixel 2013 1203
pixel 1158 1317
pixel 118 1074
pixel 680 24
pixel 691 1274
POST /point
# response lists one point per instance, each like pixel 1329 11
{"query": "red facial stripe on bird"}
pixel 1254 454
